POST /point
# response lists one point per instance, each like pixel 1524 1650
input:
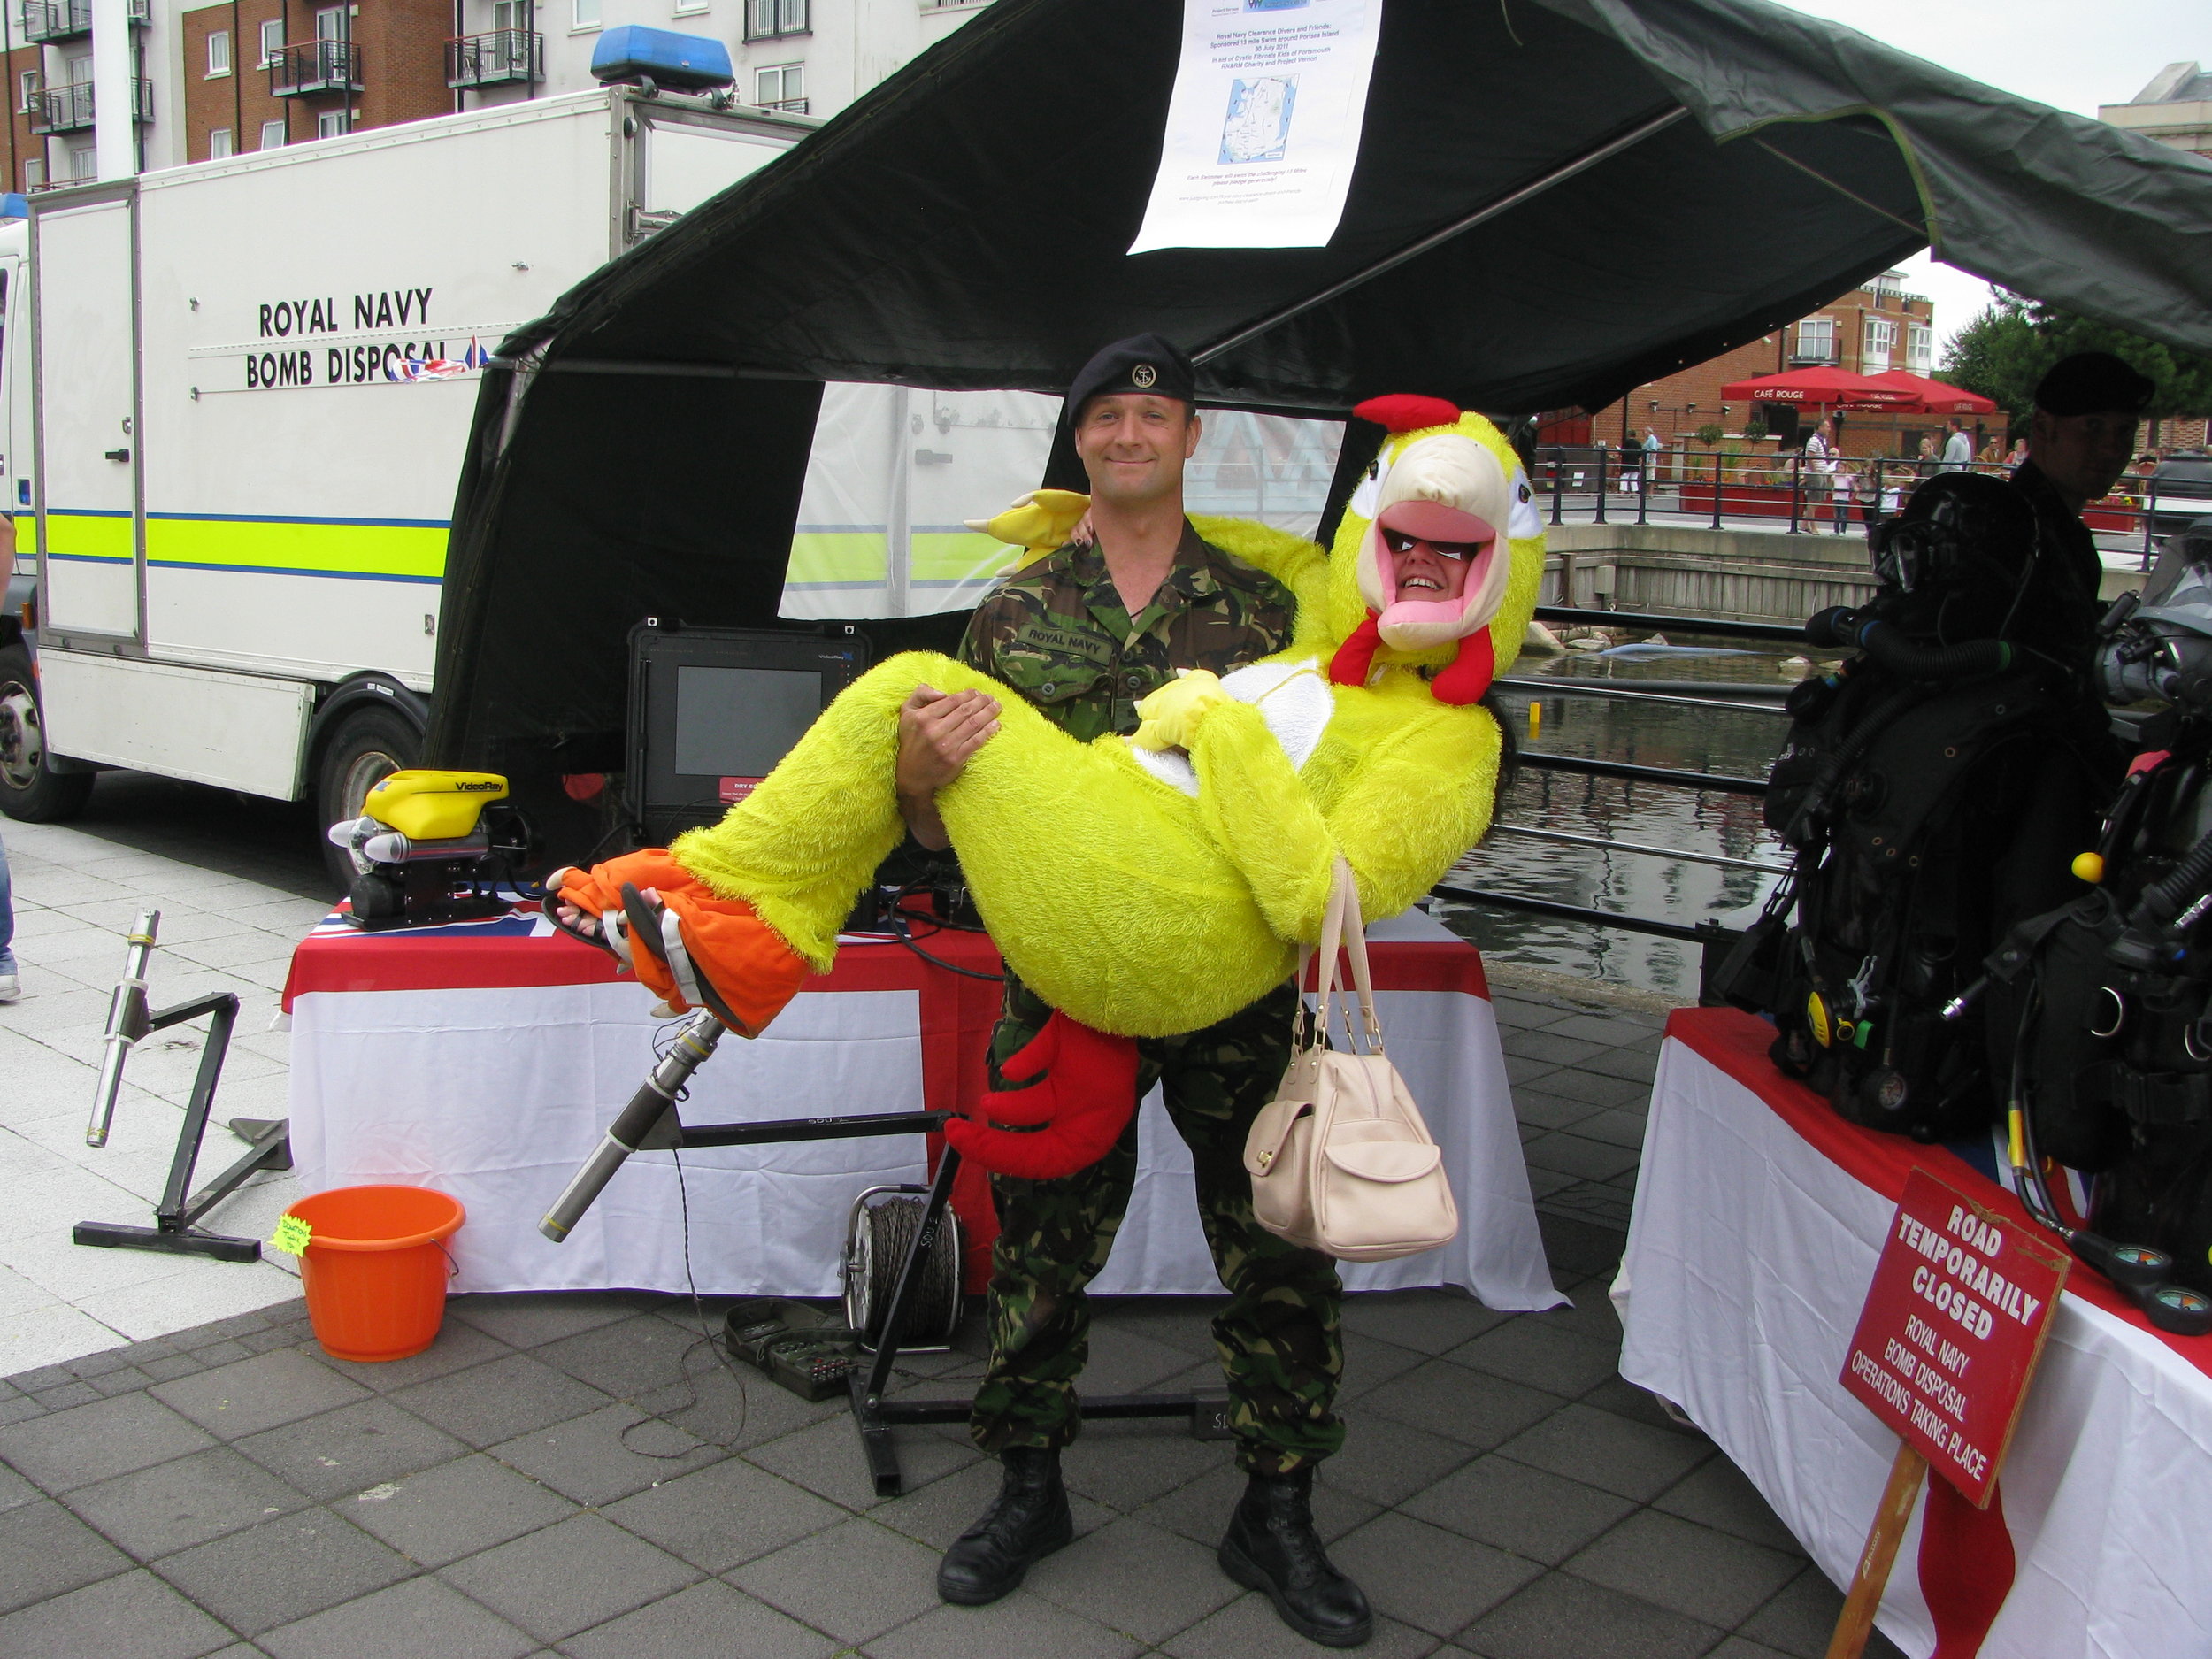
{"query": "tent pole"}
pixel 1511 199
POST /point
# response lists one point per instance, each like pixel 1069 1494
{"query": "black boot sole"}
pixel 1241 1568
pixel 961 1595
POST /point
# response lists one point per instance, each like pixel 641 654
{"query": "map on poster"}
pixel 1263 128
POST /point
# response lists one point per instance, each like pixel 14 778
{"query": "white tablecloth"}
pixel 1749 1256
pixel 496 1094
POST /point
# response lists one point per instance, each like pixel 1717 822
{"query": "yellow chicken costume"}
pixel 1156 884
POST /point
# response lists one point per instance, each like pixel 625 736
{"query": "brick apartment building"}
pixel 215 77
pixel 1870 330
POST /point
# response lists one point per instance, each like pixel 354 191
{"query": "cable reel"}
pixel 878 1236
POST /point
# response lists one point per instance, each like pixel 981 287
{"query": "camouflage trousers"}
pixel 1281 1345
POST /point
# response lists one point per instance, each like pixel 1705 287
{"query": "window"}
pixel 218 53
pixel 84 165
pixel 1816 340
pixel 28 85
pixel 685 8
pixel 272 41
pixel 34 175
pixel 80 70
pixel 507 15
pixel 272 134
pixel 1919 348
pixel 330 24
pixel 765 20
pixel 333 124
pixel 1881 339
pixel 219 144
pixel 781 87
pixel 583 14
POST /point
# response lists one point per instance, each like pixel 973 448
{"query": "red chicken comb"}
pixel 1408 411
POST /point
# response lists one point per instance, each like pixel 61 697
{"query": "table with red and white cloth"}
pixel 1758 1214
pixel 485 1060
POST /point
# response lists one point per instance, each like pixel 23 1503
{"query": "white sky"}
pixel 2071 54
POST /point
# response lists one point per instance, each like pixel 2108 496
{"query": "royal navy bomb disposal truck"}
pixel 236 398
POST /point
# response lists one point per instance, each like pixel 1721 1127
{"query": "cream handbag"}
pixel 1340 1160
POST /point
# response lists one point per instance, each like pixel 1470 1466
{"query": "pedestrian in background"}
pixel 1925 461
pixel 2019 454
pixel 1819 470
pixel 1958 448
pixel 10 984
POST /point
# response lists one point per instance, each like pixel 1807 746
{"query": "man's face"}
pixel 1134 445
pixel 2082 454
pixel 1434 571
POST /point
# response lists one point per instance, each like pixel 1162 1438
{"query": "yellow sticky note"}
pixel 291 1236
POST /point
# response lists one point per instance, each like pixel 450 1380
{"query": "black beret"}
pixel 1142 363
pixel 2090 383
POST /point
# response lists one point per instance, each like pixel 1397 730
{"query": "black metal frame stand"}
pixel 873 1414
pixel 174 1229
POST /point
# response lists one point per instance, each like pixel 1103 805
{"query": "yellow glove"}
pixel 1038 522
pixel 1170 716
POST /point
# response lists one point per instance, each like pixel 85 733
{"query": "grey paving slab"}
pixel 607 1454
pixel 1709 1575
pixel 244 1398
pixel 1136 1579
pixel 1461 1403
pixel 1743 1647
pixel 188 1501
pixel 1608 1452
pixel 1579 1250
pixel 1634 1064
pixel 1386 1461
pixel 500 1400
pixel 412 1620
pixel 1125 1465
pixel 1248 1629
pixel 1536 1106
pixel 825 1458
pixel 459 1346
pixel 707 1619
pixel 1427 1577
pixel 624 1360
pixel 283 1570
pixel 94 1442
pixel 1542 1353
pixel 1572 1154
pixel 1801 1617
pixel 1369 1361
pixel 350 1449
pixel 1610 1031
pixel 1530 1511
pixel 1428 1321
pixel 1559 1617
pixel 14 1489
pixel 133 1617
pixel 440 1515
pixel 569 1576
pixel 527 1318
pixel 1618 1124
pixel 1574 1083
pixel 1550 1047
pixel 1717 1495
pixel 1021 1627
pixel 45 1551
pixel 732 1512
pixel 855 1581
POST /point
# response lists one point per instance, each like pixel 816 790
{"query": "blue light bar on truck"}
pixel 685 62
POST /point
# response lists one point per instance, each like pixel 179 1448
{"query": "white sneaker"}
pixel 11 986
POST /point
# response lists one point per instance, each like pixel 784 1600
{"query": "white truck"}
pixel 236 398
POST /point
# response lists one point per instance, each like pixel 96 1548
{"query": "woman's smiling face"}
pixel 1434 571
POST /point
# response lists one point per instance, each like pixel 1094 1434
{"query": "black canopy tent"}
pixel 1555 201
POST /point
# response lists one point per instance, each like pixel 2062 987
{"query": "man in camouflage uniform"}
pixel 1085 636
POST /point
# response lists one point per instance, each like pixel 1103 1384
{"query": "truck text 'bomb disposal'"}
pixel 351 365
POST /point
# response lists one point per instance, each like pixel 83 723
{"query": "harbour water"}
pixel 1714 740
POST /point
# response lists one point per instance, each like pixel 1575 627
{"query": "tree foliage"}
pixel 2003 352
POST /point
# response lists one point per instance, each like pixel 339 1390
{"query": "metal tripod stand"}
pixel 652 1123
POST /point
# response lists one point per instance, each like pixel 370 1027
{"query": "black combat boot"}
pixel 1026 1522
pixel 1271 1547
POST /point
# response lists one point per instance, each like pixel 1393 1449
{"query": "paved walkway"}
pixel 579 1474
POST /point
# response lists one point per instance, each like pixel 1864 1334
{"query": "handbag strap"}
pixel 1343 928
pixel 1331 933
pixel 1356 945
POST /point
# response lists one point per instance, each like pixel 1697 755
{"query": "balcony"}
pixel 69 109
pixel 46 21
pixel 496 59
pixel 315 66
pixel 783 106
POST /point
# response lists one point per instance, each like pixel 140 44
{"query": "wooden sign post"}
pixel 1953 1326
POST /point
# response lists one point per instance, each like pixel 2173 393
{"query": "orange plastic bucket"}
pixel 374 1269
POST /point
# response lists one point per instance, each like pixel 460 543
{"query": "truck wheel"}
pixel 369 745
pixel 30 790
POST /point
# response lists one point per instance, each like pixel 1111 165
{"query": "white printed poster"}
pixel 1264 129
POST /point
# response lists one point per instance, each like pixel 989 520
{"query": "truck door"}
pixel 85 414
pixel 12 465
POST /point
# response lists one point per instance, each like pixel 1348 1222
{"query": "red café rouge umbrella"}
pixel 1827 389
pixel 1937 397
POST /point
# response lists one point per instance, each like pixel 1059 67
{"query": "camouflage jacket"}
pixel 1057 632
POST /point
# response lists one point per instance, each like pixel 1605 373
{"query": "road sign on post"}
pixel 1953 1326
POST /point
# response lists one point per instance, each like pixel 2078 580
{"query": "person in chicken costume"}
pixel 1143 888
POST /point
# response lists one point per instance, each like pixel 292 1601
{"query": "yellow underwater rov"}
pixel 434 846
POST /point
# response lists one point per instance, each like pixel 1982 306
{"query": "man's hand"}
pixel 938 732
